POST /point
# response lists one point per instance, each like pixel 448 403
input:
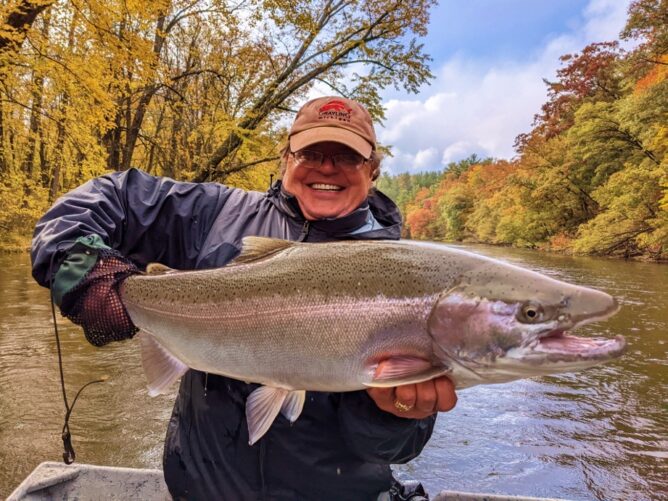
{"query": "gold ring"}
pixel 402 407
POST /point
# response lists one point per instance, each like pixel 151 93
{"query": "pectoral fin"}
pixel 262 407
pixel 397 371
pixel 162 368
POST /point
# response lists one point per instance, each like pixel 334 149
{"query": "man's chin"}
pixel 315 213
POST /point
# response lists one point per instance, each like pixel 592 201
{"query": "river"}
pixel 600 434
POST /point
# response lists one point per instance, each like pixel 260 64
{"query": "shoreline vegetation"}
pixel 87 89
pixel 590 178
pixel 22 246
pixel 15 246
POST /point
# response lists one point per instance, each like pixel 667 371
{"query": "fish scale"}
pixel 343 316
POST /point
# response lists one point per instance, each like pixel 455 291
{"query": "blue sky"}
pixel 490 57
pixel 493 29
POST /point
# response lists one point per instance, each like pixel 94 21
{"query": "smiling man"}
pixel 331 160
pixel 343 443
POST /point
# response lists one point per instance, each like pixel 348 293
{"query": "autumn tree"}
pixel 17 19
pixel 648 24
pixel 590 177
pixel 355 48
pixel 591 75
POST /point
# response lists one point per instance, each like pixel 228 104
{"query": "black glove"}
pixel 95 304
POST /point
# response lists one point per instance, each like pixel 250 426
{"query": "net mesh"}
pixel 95 303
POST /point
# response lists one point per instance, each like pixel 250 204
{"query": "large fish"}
pixel 321 317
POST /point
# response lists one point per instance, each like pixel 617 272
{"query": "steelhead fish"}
pixel 322 316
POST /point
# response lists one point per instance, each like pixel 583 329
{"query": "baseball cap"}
pixel 334 119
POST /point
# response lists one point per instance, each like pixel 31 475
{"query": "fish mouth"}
pixel 561 345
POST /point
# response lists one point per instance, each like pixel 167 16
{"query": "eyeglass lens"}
pixel 314 159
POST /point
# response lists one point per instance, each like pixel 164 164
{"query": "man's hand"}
pixel 102 314
pixel 416 401
pixel 95 303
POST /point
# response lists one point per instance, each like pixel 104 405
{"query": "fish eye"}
pixel 531 313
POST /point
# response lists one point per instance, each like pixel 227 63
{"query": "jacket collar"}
pixel 377 205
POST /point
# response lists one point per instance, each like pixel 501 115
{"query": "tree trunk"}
pixel 3 160
pixel 34 131
pixel 59 157
pixel 171 169
pixel 112 138
pixel 35 123
pixel 18 23
pixel 54 188
pixel 112 141
pixel 44 167
pixel 150 167
pixel 149 91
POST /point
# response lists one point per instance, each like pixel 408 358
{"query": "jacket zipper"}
pixel 304 233
pixel 263 491
pixel 302 236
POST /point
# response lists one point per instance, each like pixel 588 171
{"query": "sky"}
pixel 489 60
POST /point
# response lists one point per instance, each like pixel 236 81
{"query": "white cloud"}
pixel 606 18
pixel 426 158
pixel 481 107
pixel 455 152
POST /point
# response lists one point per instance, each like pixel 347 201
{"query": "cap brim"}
pixel 306 138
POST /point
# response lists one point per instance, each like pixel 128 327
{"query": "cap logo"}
pixel 335 110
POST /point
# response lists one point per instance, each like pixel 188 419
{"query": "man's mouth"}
pixel 325 187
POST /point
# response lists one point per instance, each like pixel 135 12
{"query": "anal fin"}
pixel 162 368
pixel 293 405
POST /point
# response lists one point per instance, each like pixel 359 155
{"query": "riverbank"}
pixel 656 257
pixel 18 244
pixel 14 243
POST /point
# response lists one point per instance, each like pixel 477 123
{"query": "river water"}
pixel 600 434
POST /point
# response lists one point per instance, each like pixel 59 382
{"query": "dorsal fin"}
pixel 158 269
pixel 257 248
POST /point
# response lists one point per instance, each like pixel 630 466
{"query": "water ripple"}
pixel 597 434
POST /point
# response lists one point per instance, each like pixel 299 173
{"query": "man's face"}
pixel 327 191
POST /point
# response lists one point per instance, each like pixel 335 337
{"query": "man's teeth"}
pixel 327 187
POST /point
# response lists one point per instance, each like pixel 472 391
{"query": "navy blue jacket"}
pixel 342 444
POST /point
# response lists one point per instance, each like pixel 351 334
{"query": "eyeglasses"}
pixel 310 159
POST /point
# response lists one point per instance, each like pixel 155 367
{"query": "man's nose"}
pixel 327 164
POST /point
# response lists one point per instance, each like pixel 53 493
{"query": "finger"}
pixel 383 397
pixel 405 395
pixel 426 397
pixel 447 398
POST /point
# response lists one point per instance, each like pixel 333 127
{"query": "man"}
pixel 343 443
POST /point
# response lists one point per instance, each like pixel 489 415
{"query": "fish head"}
pixel 502 322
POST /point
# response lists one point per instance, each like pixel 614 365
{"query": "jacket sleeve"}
pixel 143 217
pixel 380 437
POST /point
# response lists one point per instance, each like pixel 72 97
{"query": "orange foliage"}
pixel 485 180
pixel 560 242
pixel 656 75
pixel 418 221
